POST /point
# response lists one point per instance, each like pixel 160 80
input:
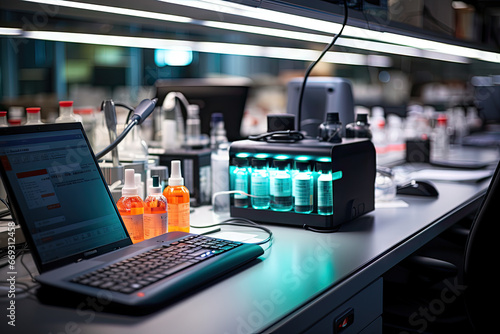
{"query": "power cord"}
pixel 311 66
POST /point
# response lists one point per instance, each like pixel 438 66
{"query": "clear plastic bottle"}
pixel 331 129
pixel 217 131
pixel 281 190
pixel 193 126
pixel 303 187
pixel 66 114
pixel 131 208
pixel 33 116
pixel 240 181
pixel 220 178
pixel 89 122
pixel 3 119
pixel 441 140
pixel 259 180
pixel 155 211
pixel 325 188
pixel 177 196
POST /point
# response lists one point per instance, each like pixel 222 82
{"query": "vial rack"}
pixel 353 166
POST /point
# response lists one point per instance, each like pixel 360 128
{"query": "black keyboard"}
pixel 138 272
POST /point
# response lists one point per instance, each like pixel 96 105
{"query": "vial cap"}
pixel 280 163
pixel 175 178
pixel 65 103
pixel 302 165
pixel 240 162
pixel 33 110
pixel 129 188
pixel 259 163
pixel 323 166
pixel 3 113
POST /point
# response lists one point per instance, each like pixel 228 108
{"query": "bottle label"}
pixel 178 216
pixel 303 192
pixel 325 193
pixel 260 185
pixel 135 227
pixel 282 186
pixel 154 224
pixel 241 183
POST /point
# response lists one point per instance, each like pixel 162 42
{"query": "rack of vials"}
pixel 305 183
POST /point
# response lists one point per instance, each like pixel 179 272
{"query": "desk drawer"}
pixel 356 314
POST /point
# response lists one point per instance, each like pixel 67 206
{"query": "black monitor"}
pixel 213 95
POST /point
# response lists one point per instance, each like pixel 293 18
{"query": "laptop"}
pixel 58 195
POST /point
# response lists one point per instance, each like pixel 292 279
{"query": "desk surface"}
pixel 302 273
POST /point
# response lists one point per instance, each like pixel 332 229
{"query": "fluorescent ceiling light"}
pixel 208 47
pixel 225 7
pixel 384 42
pixel 115 10
pixel 10 31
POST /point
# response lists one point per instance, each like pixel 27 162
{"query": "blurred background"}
pixel 88 51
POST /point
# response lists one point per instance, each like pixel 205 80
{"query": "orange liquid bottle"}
pixel 177 200
pixel 155 211
pixel 131 208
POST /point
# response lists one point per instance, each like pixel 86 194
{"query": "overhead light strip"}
pixel 209 47
pixel 225 7
pixel 361 43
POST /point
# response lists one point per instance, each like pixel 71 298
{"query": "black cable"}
pixel 287 136
pixel 311 66
pixel 117 141
pixel 129 108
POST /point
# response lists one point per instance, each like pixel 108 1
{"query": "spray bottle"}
pixel 155 211
pixel 131 208
pixel 177 200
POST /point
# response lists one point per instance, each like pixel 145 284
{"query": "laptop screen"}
pixel 58 193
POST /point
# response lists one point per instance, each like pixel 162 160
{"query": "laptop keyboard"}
pixel 130 275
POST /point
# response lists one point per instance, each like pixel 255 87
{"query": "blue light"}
pixel 173 57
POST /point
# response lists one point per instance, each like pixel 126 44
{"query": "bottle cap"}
pixel 240 162
pixel 155 188
pixel 65 103
pixel 323 165
pixel 3 113
pixel 217 117
pixel 332 117
pixel 129 188
pixel 175 178
pixel 259 163
pixel 33 110
pixel 362 117
pixel 280 163
pixel 193 110
pixel 302 165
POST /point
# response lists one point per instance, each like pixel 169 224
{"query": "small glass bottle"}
pixel 331 130
pixel 3 119
pixel 217 131
pixel 155 211
pixel 259 180
pixel 360 128
pixel 33 116
pixel 131 208
pixel 303 187
pixel 325 188
pixel 281 190
pixel 66 114
pixel 240 182
pixel 177 196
